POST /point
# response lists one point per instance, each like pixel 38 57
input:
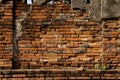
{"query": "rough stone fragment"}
pixel 110 8
pixel 79 4
pixel 94 10
pixel 98 9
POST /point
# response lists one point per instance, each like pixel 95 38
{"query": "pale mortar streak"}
pixel 18 22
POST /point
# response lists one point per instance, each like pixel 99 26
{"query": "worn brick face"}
pixel 66 36
pixel 6 45
pixel 56 37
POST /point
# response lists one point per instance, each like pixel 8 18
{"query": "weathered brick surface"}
pixel 6 45
pixel 56 37
pixel 59 74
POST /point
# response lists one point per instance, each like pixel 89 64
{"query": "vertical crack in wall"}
pixel 102 44
pixel 18 22
pixel 17 34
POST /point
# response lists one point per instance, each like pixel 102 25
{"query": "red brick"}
pixel 14 79
pixel 108 78
pixel 60 78
pixel 7 17
pixel 111 24
pixel 96 78
pixel 72 78
pixel 83 78
pixel 118 77
pixel 4 78
pixel 1 75
pixel 40 78
pixel 19 75
pixel 26 78
pixel 92 54
pixel 18 78
pixel 32 78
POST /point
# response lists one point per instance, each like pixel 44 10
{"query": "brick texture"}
pixel 58 74
pixel 6 45
pixel 57 37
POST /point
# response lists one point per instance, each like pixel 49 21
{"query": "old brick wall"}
pixel 111 43
pixel 58 74
pixel 56 37
pixel 6 45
